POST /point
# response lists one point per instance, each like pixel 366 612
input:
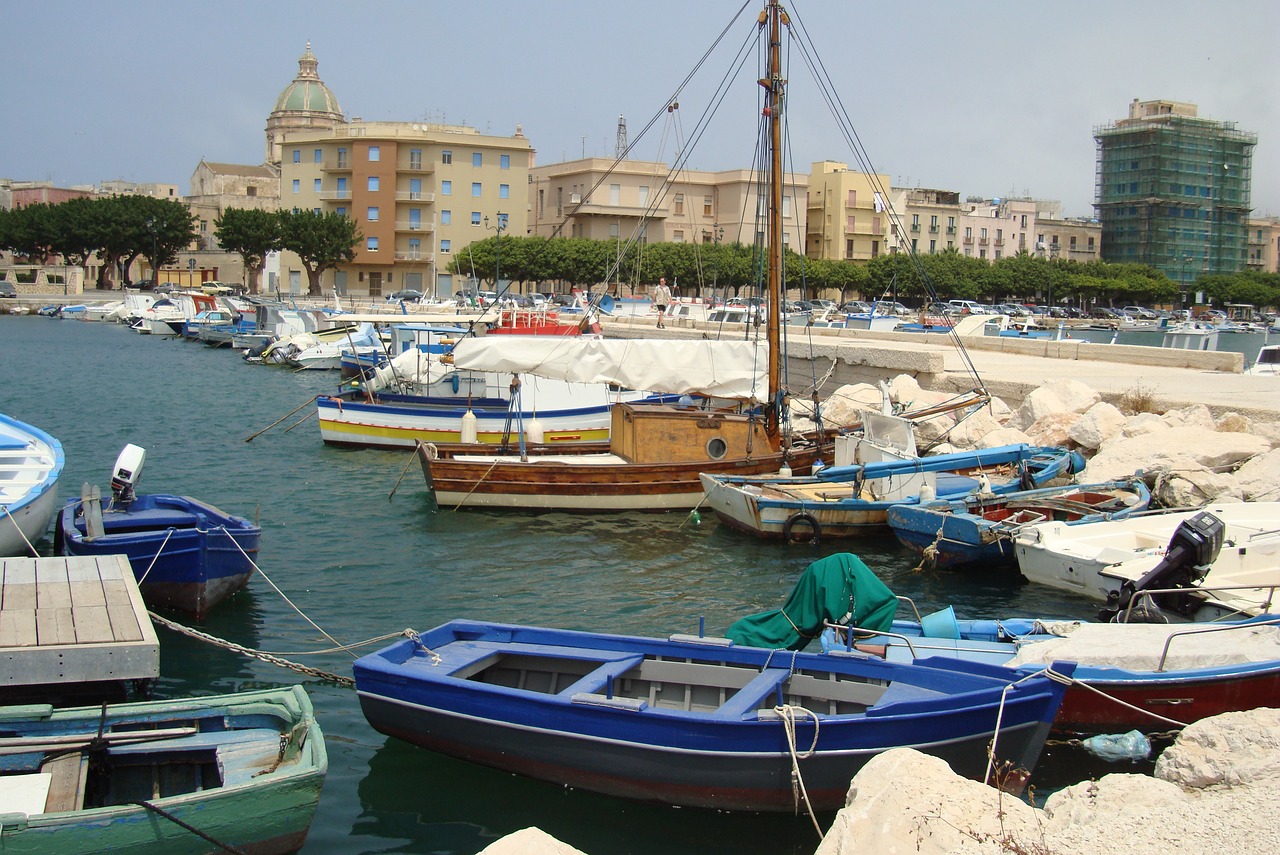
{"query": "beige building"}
pixel 923 221
pixel 1262 241
pixel 846 213
pixel 419 193
pixel 647 201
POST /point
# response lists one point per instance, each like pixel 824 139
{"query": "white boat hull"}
pixel 1096 559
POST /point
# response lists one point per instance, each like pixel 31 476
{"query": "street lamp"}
pixel 497 250
pixel 155 266
pixel 715 263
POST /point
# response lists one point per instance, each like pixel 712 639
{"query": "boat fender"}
pixel 1026 480
pixel 805 518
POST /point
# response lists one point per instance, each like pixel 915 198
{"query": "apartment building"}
pixel 846 213
pixel 603 199
pixel 923 220
pixel 419 193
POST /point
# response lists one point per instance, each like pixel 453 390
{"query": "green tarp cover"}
pixel 837 588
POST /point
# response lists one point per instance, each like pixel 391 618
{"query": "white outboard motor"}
pixel 127 473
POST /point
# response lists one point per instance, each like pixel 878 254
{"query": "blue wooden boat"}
pixel 979 529
pixel 230 773
pixel 187 554
pixel 854 500
pixel 31 463
pixel 689 720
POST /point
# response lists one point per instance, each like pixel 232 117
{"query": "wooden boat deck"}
pixel 73 620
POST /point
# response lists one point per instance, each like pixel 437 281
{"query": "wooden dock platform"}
pixel 69 625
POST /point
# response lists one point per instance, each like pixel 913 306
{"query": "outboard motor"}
pixel 127 473
pixel 1192 550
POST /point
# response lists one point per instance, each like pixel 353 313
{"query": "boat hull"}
pixel 31 463
pixel 612 714
pixel 187 555
pixel 266 809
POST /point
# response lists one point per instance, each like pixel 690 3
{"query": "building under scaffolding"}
pixel 1173 190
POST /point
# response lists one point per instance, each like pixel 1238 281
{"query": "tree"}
pixel 251 233
pixel 321 241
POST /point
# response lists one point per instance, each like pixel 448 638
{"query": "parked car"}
pixel 855 307
pixel 145 285
pixel 409 294
pixel 1140 313
pixel 892 307
pixel 7 290
pixel 822 305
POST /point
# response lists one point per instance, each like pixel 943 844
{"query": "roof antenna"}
pixel 620 146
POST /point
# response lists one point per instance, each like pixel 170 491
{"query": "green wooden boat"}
pixel 238 772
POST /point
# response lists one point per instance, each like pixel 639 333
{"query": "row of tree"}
pixel 734 269
pixel 118 230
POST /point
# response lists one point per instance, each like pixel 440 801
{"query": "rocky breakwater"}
pixel 1213 790
pixel 1186 455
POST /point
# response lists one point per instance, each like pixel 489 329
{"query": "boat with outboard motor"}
pixel 187 554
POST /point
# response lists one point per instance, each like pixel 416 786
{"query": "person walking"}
pixel 661 299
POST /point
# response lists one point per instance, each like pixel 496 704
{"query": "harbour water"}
pixel 363 563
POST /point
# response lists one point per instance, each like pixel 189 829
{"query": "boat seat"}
pixel 156 518
pixel 598 680
pixel 68 775
pixel 900 692
pixel 197 741
pixel 745 701
pixel 12 443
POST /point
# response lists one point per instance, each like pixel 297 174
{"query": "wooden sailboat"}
pixel 656 450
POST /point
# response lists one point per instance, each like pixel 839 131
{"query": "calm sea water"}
pixel 361 563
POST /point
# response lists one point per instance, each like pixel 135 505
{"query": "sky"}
pixel 985 99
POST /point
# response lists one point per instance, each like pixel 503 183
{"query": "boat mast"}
pixel 774 87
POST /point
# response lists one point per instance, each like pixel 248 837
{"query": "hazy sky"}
pixel 987 99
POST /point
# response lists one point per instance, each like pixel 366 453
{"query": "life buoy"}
pixel 801 517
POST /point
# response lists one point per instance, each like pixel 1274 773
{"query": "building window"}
pixel 933 247
pixel 706 206
pixel 504 191
pixel 297 185
pixel 786 207
pixel 373 184
pixel 644 196
pixel 341 211
pixel 678 206
pixel 446 218
pixel 502 220
pixel 415 248
pixel 615 194
pixel 415 188
pixel 475 188
pixel 251 191
pixel 371 244
pixel 477 159
pixel 342 158
pixel 446 188
pixel 317 185
pixel 375 153
pixel 677 236
pixel 372 214
pixel 446 156
pixel 316 211
pixel 445 246
pixel 852 201
pixel 504 161
pixel 613 230
pixel 319 155
pixel 297 155
pixel 850 223
pixel 415 158
pixel 475 218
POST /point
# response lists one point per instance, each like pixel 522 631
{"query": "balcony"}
pixel 411 226
pixel 983 241
pixel 999 241
pixel 915 228
pixel 335 195
pixel 415 255
pixel 337 165
pixel 411 196
pixel 417 165
pixel 951 230
pixel 933 230
pixel 967 240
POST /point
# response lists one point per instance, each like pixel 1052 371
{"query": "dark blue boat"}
pixel 693 721
pixel 979 528
pixel 187 554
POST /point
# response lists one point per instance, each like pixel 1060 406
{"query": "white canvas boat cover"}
pixel 1137 647
pixel 721 369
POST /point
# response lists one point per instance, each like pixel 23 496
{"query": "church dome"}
pixel 307 93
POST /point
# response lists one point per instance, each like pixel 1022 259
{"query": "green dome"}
pixel 307 92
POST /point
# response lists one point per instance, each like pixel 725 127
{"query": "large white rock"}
pixel 1004 436
pixel 1142 424
pixel 904 802
pixel 968 433
pixel 1053 429
pixel 1177 447
pixel 1192 485
pixel 1259 477
pixel 1098 424
pixel 1232 748
pixel 1076 396
pixel 529 841
pixel 844 405
pixel 1196 415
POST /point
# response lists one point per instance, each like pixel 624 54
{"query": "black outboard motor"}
pixel 1192 550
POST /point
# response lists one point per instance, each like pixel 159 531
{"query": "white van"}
pixel 965 307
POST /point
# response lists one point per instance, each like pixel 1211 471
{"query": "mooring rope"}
pixel 226 847
pixel 156 557
pixel 789 715
pixel 21 533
